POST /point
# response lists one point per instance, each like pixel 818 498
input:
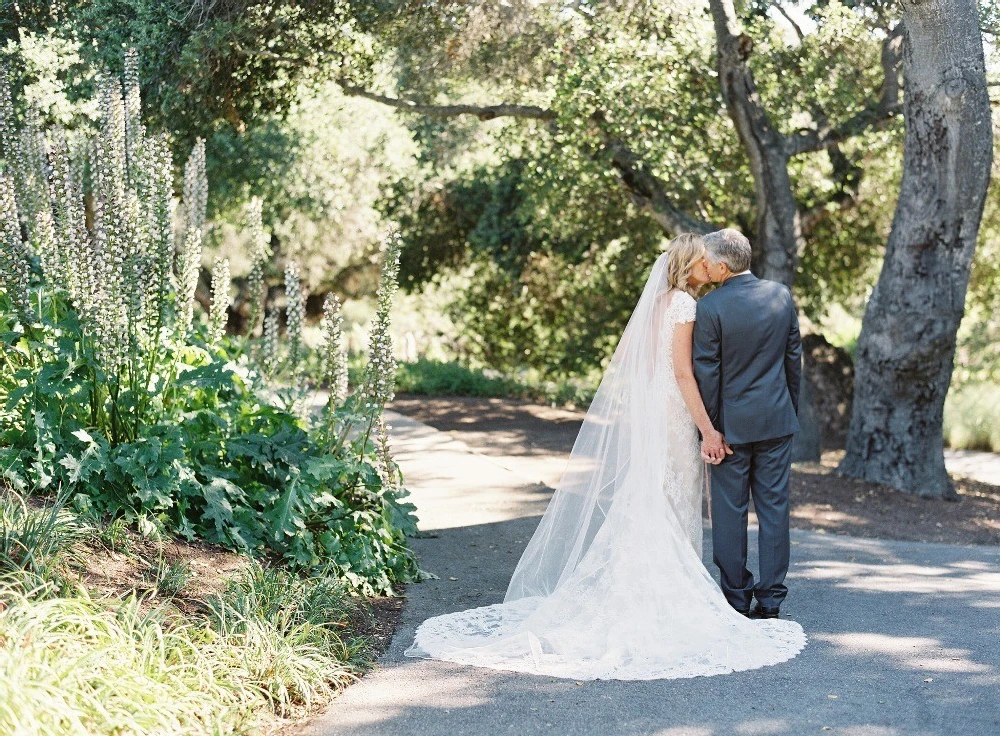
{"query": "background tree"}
pixel 549 148
pixel 907 343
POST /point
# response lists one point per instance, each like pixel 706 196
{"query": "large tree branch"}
pixel 874 115
pixel 644 189
pixel 795 26
pixel 483 112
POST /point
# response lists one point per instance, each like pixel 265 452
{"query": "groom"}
pixel 747 361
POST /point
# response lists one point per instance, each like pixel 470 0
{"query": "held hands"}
pixel 714 448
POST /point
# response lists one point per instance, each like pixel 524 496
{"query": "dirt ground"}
pixel 822 501
pixel 134 566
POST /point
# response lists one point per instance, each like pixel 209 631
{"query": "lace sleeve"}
pixel 685 308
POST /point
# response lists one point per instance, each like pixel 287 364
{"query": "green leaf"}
pixel 219 495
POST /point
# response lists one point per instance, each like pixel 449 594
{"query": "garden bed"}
pixel 266 646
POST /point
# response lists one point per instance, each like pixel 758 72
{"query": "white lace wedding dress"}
pixel 611 585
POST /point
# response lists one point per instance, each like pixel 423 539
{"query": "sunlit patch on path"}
pixel 904 636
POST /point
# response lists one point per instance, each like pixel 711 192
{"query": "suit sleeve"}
pixel 706 355
pixel 793 356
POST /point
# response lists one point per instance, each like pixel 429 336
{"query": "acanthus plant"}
pixel 119 390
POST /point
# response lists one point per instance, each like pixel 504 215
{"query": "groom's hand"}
pixel 714 448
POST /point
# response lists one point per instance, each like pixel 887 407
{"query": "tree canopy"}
pixel 543 140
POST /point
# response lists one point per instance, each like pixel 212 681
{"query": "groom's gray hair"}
pixel 730 247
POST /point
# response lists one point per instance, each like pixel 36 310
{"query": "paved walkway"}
pixel 904 637
pixel 981 466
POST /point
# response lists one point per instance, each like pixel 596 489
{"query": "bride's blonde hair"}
pixel 683 252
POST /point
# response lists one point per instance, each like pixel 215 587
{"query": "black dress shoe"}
pixel 760 611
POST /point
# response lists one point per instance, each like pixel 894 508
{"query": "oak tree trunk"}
pixel 776 245
pixel 907 345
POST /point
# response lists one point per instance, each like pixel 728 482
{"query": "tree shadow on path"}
pixel 904 641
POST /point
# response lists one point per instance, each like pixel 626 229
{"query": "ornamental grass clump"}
pixel 269 644
pixel 119 389
pixel 72 666
pixel 288 633
pixel 34 543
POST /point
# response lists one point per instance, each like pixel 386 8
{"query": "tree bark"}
pixel 778 238
pixel 906 350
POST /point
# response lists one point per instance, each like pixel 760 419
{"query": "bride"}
pixel 611 585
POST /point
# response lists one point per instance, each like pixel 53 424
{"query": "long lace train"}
pixel 643 608
pixel 611 585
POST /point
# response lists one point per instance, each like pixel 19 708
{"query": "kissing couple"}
pixel 611 584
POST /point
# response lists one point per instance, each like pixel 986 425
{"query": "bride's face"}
pixel 699 272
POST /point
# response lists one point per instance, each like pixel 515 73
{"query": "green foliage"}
pixel 971 417
pixel 290 629
pixel 152 678
pixel 523 270
pixel 212 63
pixel 169 578
pixel 34 542
pixel 216 461
pixel 116 390
pixel 511 192
pixel 510 213
pixel 438 378
pixel 321 176
pixel 114 535
pixel 271 644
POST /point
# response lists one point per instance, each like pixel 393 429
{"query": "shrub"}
pixel 438 378
pixel 117 389
pixel 970 417
pixel 434 377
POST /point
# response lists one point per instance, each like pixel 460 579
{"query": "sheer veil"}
pixel 623 443
pixel 611 584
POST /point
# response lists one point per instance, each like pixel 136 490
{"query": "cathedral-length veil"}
pixel 611 584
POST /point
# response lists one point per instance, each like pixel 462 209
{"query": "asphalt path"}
pixel 904 637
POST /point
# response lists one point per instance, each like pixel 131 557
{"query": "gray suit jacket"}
pixel 748 359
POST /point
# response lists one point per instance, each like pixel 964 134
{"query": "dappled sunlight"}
pixel 918 653
pixel 760 727
pixel 991 681
pixel 823 516
pixel 851 593
pixel 902 578
pixel 444 687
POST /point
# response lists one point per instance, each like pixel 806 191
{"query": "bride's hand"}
pixel 713 447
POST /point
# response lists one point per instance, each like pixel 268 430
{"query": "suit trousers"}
pixel 761 469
